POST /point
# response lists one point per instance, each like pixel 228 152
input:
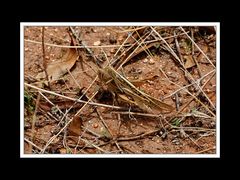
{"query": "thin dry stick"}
pixel 196 94
pixel 67 46
pixel 32 144
pixel 178 48
pixel 106 127
pixel 88 98
pixel 196 62
pixel 74 99
pixel 191 128
pixel 80 42
pixel 130 55
pixel 138 136
pixel 135 113
pixel 146 42
pixel 97 147
pixel 74 79
pixel 102 46
pixel 198 47
pixel 145 48
pixel 44 58
pixel 194 97
pixel 202 136
pixel 55 136
pixel 185 71
pixel 195 82
pixel 34 120
pixel 51 102
pixel 187 74
pixel 170 49
pixel 205 150
pixel 130 30
pixel 75 149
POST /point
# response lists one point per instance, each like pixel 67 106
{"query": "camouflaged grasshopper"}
pixel 128 92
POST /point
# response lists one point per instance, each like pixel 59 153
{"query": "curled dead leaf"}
pixel 189 61
pixel 58 68
pixel 74 127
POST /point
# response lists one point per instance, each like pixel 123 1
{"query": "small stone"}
pixel 112 50
pixel 26 49
pixel 97 43
pixel 174 68
pixel 94 30
pixel 151 61
pixel 175 141
pixel 47 57
pixel 208 90
pixel 145 60
pixel 95 125
pixel 55 30
pixel 108 34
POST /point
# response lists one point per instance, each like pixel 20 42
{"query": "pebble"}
pixel 47 57
pixel 95 125
pixel 145 60
pixel 175 141
pixel 151 61
pixel 158 141
pixel 112 50
pixel 94 30
pixel 108 34
pixel 26 49
pixel 97 43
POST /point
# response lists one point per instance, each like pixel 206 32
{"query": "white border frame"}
pixel 22 155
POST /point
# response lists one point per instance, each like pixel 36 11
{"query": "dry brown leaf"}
pixel 62 151
pixel 74 127
pixel 58 68
pixel 189 61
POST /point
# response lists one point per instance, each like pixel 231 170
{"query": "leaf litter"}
pixel 130 127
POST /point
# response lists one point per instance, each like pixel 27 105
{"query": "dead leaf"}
pixel 58 68
pixel 75 126
pixel 189 62
pixel 62 151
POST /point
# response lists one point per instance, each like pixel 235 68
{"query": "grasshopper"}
pixel 123 87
